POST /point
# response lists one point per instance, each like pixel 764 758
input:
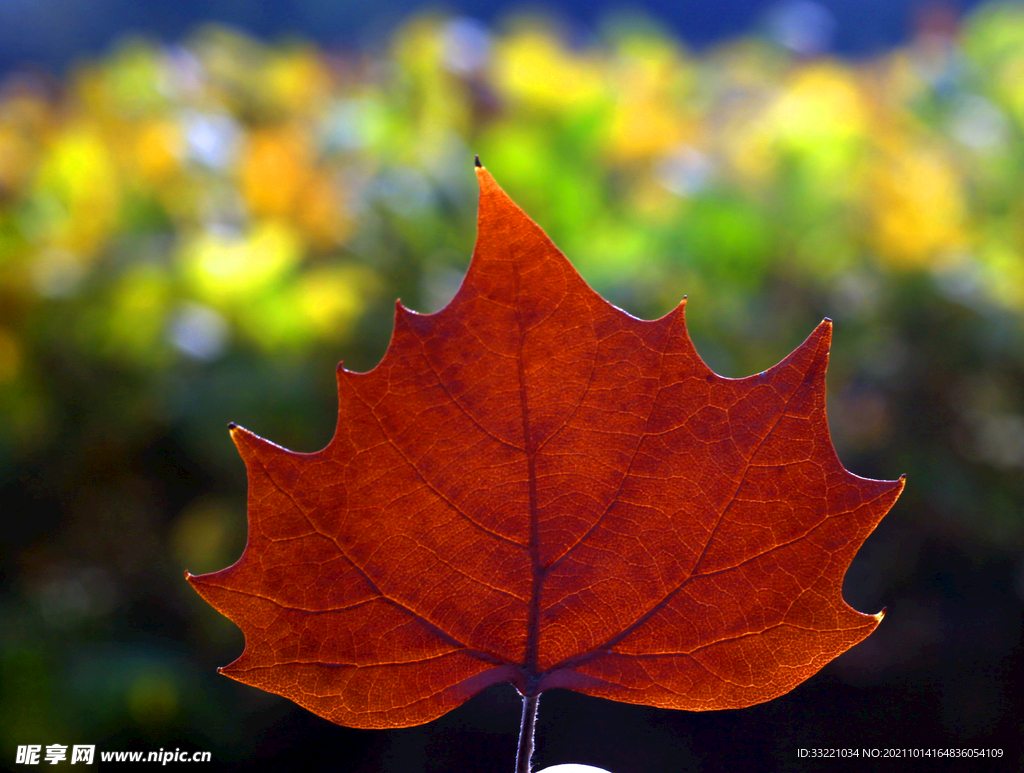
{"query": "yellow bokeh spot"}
pixel 230 267
pixel 533 67
pixel 159 148
pixel 645 128
pixel 136 319
pixel 152 697
pixel 821 117
pixel 320 305
pixel 321 213
pixel 1010 82
pixel 332 299
pixel 16 155
pixel 203 534
pixel 79 176
pixel 820 106
pixel 297 81
pixel 279 179
pixel 916 206
pixel 648 119
pixel 418 47
pixel 274 169
pixel 1004 270
pixel 10 356
pixel 430 102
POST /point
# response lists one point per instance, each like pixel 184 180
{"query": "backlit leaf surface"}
pixel 535 487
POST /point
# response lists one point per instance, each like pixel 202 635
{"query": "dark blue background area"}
pixel 53 33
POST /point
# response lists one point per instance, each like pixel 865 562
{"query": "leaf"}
pixel 535 487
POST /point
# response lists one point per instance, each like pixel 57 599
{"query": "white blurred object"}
pixel 199 331
pixel 979 124
pixel 212 138
pixel 57 274
pixel 685 171
pixel 467 46
pixel 572 767
pixel 802 26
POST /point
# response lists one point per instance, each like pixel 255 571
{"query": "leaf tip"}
pixel 476 162
pixel 813 352
pixel 881 615
pixel 197 581
pixel 821 338
pixel 403 312
pixel 232 426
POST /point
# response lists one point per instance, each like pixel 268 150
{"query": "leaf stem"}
pixel 525 756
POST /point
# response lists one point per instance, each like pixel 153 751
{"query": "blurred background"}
pixel 204 208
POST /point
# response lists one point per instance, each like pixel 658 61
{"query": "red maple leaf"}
pixel 535 487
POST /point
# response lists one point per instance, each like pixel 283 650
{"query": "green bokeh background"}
pixel 196 233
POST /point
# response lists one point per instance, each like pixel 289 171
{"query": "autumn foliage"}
pixel 535 487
